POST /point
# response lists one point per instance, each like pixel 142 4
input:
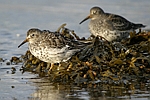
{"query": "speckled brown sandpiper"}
pixel 110 26
pixel 51 47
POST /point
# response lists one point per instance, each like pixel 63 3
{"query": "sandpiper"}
pixel 51 47
pixel 110 26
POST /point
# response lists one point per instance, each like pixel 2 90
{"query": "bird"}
pixel 112 27
pixel 51 47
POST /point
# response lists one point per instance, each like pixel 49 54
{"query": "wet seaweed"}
pixel 100 62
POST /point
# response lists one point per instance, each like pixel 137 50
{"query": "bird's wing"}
pixel 57 40
pixel 119 23
pixel 53 39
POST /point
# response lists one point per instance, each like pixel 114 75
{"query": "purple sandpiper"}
pixel 110 26
pixel 51 47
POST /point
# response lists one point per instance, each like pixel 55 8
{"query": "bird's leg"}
pixel 58 68
pixel 50 67
pixel 140 30
pixel 102 38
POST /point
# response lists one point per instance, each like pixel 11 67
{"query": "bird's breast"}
pixel 51 55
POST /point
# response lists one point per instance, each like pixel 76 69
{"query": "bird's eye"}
pixel 32 35
pixel 94 12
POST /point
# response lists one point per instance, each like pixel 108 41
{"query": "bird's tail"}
pixel 137 26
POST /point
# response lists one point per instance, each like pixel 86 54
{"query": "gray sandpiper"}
pixel 110 26
pixel 51 47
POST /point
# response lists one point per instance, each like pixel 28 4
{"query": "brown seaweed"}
pixel 98 62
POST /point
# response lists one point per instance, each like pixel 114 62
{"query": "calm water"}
pixel 17 16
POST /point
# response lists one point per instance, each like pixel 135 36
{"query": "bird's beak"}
pixel 26 40
pixel 88 17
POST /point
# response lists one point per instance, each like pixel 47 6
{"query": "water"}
pixel 17 17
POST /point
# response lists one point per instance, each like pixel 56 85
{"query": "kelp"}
pixel 99 62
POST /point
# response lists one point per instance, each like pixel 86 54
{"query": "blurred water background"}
pixel 18 16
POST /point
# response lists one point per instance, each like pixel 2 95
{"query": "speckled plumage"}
pixel 51 47
pixel 110 26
